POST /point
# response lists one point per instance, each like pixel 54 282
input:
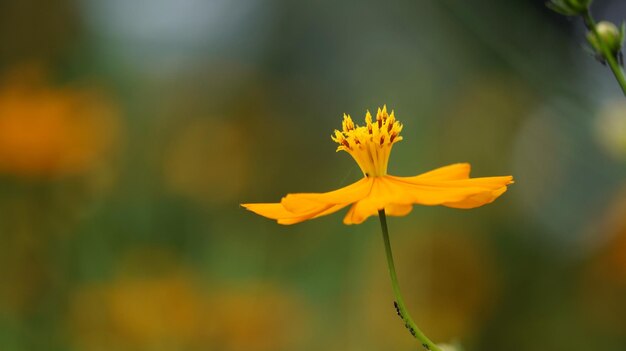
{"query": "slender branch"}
pixel 399 303
pixel 606 52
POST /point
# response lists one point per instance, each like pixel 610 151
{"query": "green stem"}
pixel 606 52
pixel 400 306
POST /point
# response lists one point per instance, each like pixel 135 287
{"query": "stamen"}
pixel 371 153
pixel 347 123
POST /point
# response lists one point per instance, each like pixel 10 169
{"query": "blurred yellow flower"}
pixel 48 131
pixel 155 304
pixel 370 146
pixel 258 317
pixel 138 314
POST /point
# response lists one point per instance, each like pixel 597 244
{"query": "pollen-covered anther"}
pixel 347 124
pixel 392 136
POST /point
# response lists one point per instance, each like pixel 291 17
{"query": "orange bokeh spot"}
pixel 48 131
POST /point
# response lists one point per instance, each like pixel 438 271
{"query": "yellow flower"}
pixel 48 131
pixel 370 146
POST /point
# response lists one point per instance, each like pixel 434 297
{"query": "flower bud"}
pixel 609 35
pixel 569 7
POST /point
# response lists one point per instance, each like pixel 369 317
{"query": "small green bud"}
pixel 609 34
pixel 569 7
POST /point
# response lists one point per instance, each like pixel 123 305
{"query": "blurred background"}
pixel 130 131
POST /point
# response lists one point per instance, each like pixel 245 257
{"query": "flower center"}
pixel 370 145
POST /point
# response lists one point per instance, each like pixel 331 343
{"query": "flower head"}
pixel 370 146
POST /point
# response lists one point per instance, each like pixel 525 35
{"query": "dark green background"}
pixel 223 102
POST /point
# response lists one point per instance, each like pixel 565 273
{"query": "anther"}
pixel 382 139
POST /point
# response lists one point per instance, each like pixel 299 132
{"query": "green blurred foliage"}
pixel 130 131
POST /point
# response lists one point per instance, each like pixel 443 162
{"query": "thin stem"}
pixel 606 52
pixel 400 306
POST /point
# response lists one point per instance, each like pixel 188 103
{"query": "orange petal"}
pixel 302 218
pixel 478 199
pixel 451 172
pixel 283 216
pixel 273 211
pixel 462 193
pixel 398 210
pixel 397 194
pixel 357 214
pixel 378 198
pixel 295 208
pixel 360 212
pixel 303 202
